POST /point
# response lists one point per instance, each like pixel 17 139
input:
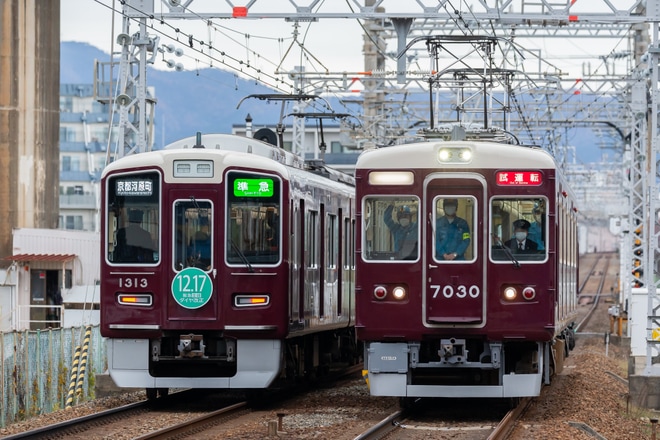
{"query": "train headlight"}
pixel 529 293
pixel 454 155
pixel 510 293
pixel 380 292
pixel 444 155
pixel 399 293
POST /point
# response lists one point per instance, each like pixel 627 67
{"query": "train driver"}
pixel 404 231
pixel 452 233
pixel 520 244
pixel 133 242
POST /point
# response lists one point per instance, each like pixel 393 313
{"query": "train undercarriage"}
pixel 457 367
pixel 210 360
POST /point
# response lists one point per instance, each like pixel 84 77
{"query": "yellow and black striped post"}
pixel 83 362
pixel 73 377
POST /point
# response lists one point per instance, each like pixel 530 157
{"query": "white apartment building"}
pixel 84 133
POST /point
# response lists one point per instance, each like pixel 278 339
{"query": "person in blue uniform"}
pixel 520 244
pixel 535 232
pixel 452 233
pixel 404 232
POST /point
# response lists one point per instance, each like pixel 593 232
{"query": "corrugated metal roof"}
pixel 41 257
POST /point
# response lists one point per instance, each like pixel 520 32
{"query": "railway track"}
pixel 183 414
pixel 206 422
pixel 593 296
pixel 468 420
pixel 184 408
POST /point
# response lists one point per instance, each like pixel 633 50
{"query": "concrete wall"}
pixel 29 116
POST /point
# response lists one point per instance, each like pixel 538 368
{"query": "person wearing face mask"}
pixel 520 243
pixel 404 232
pixel 452 233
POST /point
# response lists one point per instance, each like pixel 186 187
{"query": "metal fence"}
pixel 45 370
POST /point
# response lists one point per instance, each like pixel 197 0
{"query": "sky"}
pixel 261 47
pixel 267 44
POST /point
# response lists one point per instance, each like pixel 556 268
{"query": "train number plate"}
pixel 461 291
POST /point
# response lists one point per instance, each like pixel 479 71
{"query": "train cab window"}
pixel 453 228
pixel 254 229
pixel 518 231
pixel 193 234
pixel 391 228
pixel 133 219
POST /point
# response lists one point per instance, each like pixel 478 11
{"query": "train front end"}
pixel 194 279
pixel 466 269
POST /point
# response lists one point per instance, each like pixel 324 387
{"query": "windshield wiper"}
pixel 242 256
pixel 507 251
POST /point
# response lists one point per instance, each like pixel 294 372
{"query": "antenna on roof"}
pixel 198 141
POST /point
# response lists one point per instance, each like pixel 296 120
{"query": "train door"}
pixel 296 305
pixel 195 237
pixel 454 291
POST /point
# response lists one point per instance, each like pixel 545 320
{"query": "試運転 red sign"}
pixel 514 178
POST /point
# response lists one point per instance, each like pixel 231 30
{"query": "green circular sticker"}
pixel 192 288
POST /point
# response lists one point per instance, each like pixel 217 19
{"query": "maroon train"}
pixel 226 263
pixel 447 305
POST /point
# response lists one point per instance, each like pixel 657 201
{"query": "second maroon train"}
pixel 466 279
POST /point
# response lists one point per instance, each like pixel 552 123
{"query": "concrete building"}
pixel 84 135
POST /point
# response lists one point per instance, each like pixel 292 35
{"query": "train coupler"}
pixel 453 351
pixel 191 346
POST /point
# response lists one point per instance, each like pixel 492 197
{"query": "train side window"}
pixel 193 234
pixel 453 231
pixel 391 228
pixel 133 219
pixel 518 229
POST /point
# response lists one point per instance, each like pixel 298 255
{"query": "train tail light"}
pixel 251 300
pixel 380 292
pixel 518 293
pixel 397 293
pixel 143 299
pixel 529 293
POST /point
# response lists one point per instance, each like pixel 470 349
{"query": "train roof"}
pixel 258 153
pixel 484 155
pixel 241 144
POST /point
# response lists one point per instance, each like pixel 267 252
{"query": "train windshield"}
pixel 517 227
pixel 253 223
pixel 133 218
pixel 391 228
pixel 193 220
